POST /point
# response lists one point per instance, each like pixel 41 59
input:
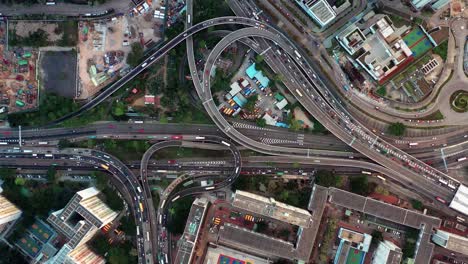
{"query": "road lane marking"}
pixel 443 159
pixel 211 99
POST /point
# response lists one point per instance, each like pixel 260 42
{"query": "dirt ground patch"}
pixel 23 29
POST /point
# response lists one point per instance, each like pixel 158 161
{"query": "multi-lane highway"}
pixel 170 195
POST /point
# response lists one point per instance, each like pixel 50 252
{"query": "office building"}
pixel 387 253
pixel 82 217
pixel 319 10
pixel 9 214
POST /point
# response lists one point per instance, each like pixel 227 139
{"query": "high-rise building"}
pixel 319 10
pixel 9 214
pixel 387 253
pixel 82 217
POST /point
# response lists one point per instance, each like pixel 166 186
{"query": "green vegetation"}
pixel 221 81
pixel 418 205
pixel 176 99
pixel 127 225
pixel 119 108
pixel 110 195
pixel 398 21
pixel 327 239
pixel 179 152
pixel 117 253
pixel 250 104
pixel 69 30
pixel 459 101
pixel 434 116
pixel 327 178
pixel 178 214
pixel 135 56
pixel 51 107
pixel 36 199
pixel 207 9
pixel 10 255
pixel 441 50
pixel 122 149
pixel 382 91
pixel 359 185
pixel 409 249
pixel 377 235
pixel 261 122
pixel 291 192
pixel 396 129
pixel 409 87
pixel 38 38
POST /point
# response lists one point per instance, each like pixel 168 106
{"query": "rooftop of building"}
pixel 387 253
pixel 8 211
pixel 84 255
pixel 271 208
pixel 451 241
pixel 99 209
pixel 222 254
pixel 460 200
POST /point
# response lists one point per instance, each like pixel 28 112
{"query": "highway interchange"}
pixel 305 84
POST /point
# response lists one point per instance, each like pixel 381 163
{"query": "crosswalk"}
pixel 300 139
pixel 272 141
pixel 249 126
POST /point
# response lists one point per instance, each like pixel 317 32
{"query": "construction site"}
pixel 103 47
pixel 18 83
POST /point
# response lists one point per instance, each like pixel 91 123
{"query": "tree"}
pixel 327 178
pixel 396 129
pixel 64 143
pixel 377 235
pixel 259 58
pixel 381 190
pixel 261 122
pixel 52 174
pixel 250 104
pixel 118 109
pixel 418 205
pixel 359 185
pixel 135 55
pixel 262 226
pixel 179 212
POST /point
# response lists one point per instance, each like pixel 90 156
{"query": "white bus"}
pixel 139 189
pixel 382 178
pixel 147 236
pixel 298 92
pixel 42 143
pixel 49 155
pixel 413 143
pixel 461 159
pixel 160 219
pixel 297 54
pixel 443 181
pixel 209 188
pixel 366 172
pixel 188 19
pixel 199 138
pixel 175 198
pixel 225 143
pixel 138 230
pixel 139 122
pixel 3 143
